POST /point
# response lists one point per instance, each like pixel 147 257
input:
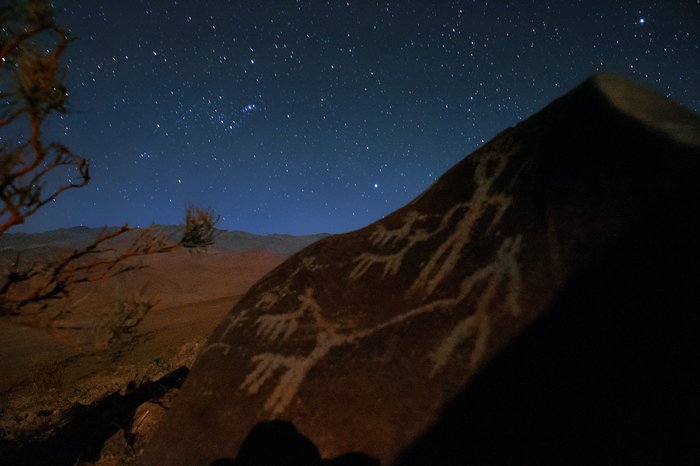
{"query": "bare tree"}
pixel 31 46
pixel 31 90
pixel 38 283
pixel 34 283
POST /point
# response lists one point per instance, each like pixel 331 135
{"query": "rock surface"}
pixel 366 341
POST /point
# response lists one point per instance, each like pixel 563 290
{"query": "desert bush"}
pixel 117 330
pixel 200 227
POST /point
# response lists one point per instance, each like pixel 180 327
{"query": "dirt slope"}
pixel 60 358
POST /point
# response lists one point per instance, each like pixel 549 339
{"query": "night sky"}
pixel 313 116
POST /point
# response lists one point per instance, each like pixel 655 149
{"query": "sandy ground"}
pixel 61 356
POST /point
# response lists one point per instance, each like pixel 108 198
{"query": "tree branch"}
pixel 38 283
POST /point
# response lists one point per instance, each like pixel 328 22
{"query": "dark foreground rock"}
pixel 279 443
pixel 85 428
pixel 535 305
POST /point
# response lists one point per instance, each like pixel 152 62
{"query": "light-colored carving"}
pixel 443 262
pixel 271 297
pixel 225 348
pixel 233 321
pixel 272 326
pixel 491 165
pixel 311 264
pixel 382 237
pixel 266 365
pixel 489 291
pixel 502 275
pixel 391 262
pixel 293 368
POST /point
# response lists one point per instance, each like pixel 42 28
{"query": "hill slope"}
pixel 66 238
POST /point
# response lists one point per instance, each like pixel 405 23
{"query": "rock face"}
pixel 370 340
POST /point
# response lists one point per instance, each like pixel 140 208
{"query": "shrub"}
pixel 199 227
pixel 117 331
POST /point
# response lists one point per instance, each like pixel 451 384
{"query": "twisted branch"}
pixel 39 92
pixel 39 283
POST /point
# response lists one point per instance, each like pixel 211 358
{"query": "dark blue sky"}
pixel 313 116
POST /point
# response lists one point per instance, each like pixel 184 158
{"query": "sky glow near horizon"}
pixel 305 117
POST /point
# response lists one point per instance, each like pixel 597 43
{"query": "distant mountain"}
pixel 225 240
pixel 62 237
pixel 537 305
pixel 287 244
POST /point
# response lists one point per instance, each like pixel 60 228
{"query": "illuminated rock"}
pixel 365 340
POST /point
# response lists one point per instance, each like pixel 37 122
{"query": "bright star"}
pixel 642 20
pixel 376 185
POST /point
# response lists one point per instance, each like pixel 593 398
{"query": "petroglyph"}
pixel 273 326
pixel 500 276
pixel 443 262
pixel 381 236
pixel 491 165
pixel 266 365
pixel 225 347
pixel 294 368
pixel 233 321
pixel 311 264
pixel 270 298
pixel 490 291
pixel 391 262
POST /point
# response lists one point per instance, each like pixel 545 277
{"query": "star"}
pixel 293 96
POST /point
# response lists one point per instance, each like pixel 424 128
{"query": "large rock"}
pixel 366 340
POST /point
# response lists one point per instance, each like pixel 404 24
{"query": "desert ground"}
pixel 65 360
